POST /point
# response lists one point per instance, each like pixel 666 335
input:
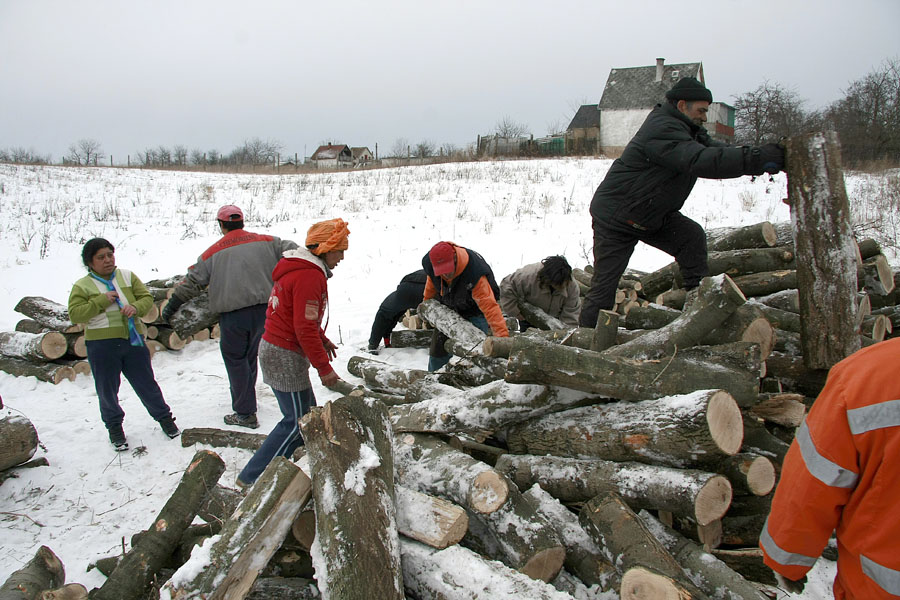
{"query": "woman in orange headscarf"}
pixel 295 338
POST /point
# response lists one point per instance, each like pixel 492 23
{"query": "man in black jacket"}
pixel 407 295
pixel 644 189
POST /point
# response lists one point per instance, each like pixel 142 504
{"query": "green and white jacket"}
pixel 103 320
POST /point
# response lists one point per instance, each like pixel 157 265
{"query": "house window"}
pixel 675 74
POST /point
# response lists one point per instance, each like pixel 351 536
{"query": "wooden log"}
pixel 18 441
pixel 643 561
pixel 429 519
pixel 584 557
pixel 484 410
pixel 159 293
pixel 348 389
pixel 154 346
pixel 743 530
pixel 653 316
pixel 221 438
pixel 49 372
pixel 712 576
pixel 795 375
pixel 768 282
pixel 201 336
pixel 284 588
pixel 864 308
pixel 219 504
pixel 538 317
pixel 679 431
pixel 30 326
pixel 451 324
pixel 427 464
pixel 534 360
pixel 152 332
pixel 411 338
pixel 868 248
pixel 876 327
pixel 32 346
pixel 304 526
pixel 746 324
pixel 169 338
pixel 75 345
pixel 697 494
pixel 886 300
pixel 749 473
pixel 605 331
pixel 493 366
pixel 249 538
pixel 717 299
pixel 152 315
pixel 486 453
pixel 759 235
pixel 875 275
pixel 672 298
pixel 134 573
pixel 43 572
pixel 192 316
pixel 787 300
pixel 826 250
pixel 349 447
pixel 72 591
pixel 12 472
pixel 780 319
pixel 456 573
pixel 50 314
pixel 214 332
pixel 787 342
pixel 787 410
pixel 578 337
pixel 758 440
pixel 748 562
pixel 167 282
pixel 383 377
pixel 582 276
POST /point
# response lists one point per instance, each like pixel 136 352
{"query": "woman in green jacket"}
pixel 110 301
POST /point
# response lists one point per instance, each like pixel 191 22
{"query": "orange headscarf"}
pixel 329 235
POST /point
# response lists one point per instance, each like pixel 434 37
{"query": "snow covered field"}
pixel 90 498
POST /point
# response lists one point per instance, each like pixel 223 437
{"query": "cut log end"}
pixel 726 425
pixel 545 565
pixel 761 476
pixel 639 583
pixel 488 493
pixel 712 500
pixel 769 235
pixel 761 332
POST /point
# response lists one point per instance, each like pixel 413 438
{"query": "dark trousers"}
pixel 285 437
pixel 407 295
pixel 240 332
pixel 679 237
pixel 109 360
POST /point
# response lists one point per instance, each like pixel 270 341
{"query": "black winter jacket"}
pixel 458 295
pixel 659 167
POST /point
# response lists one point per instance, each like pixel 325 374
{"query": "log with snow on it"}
pixel 74 341
pixel 767 282
pixel 18 441
pixel 683 431
pixel 538 317
pixel 584 558
pixel 711 575
pixel 456 573
pixel 411 338
pixel 382 377
pixel 193 315
pixel 788 300
pixel 356 553
pixel 48 313
pixel 33 346
pixel 227 565
pixel 495 367
pixel 42 371
pixel 226 438
pixel 43 572
pixel 700 495
pixel 448 322
pixel 427 464
pixel 758 235
pixel 534 360
pixel 576 337
pixel 429 519
pixel 648 570
pixel 484 409
pixel 348 389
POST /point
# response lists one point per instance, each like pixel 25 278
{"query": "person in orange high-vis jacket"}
pixel 842 474
pixel 462 280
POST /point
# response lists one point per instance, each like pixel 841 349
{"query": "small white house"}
pixel 332 156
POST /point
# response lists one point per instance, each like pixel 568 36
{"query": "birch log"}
pixel 451 324
pixel 383 377
pixel 18 441
pixel 48 313
pixel 33 346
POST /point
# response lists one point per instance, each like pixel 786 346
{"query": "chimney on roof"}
pixel 660 62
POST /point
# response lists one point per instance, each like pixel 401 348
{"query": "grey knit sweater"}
pixel 282 369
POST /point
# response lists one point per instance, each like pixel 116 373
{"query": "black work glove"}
pixel 771 158
pixel 171 308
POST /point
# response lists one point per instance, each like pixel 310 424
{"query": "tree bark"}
pixel 693 493
pixel 411 338
pixel 249 538
pixel 538 317
pixel 427 464
pixel 643 561
pixel 749 563
pixel 578 337
pixel 534 360
pixel 134 573
pixel 451 324
pixel 875 275
pixel 33 346
pixel 795 375
pixel 746 324
pixel 780 319
pixel 826 250
pixel 494 367
pixel 48 313
pixel 786 410
pixel 221 438
pixel 749 473
pixel 605 331
pixel 284 588
pixel 700 428
pixel 758 440
pixel 383 377
pixel 43 572
pixel 788 300
pixel 760 235
pixel 169 338
pixel 712 576
pixel 18 441
pixel 74 341
pixel 584 558
pixel 349 447
pixel 49 372
pixel 348 389
pixel 193 315
pixel 219 504
pixel 429 519
pixel 767 282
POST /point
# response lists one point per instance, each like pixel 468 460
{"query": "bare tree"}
pixel 23 156
pixel 400 149
pixel 179 155
pixel 768 113
pixel 423 149
pixel 255 151
pixel 507 127
pixel 84 152
pixel 557 126
pixel 198 157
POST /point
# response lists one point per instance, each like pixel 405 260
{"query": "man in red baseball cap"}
pixel 461 279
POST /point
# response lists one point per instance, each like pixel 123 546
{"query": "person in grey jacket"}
pixel 238 272
pixel 547 285
pixel 644 190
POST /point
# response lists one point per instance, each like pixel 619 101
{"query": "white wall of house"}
pixel 617 127
pixel 326 163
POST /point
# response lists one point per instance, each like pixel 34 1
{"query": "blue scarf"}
pixel 133 336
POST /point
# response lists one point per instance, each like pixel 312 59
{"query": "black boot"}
pixel 117 438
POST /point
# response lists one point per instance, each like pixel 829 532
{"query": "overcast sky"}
pixel 208 75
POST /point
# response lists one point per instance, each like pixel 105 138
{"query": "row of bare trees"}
pixel 867 118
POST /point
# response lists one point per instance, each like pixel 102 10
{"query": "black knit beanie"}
pixel 556 269
pixel 689 89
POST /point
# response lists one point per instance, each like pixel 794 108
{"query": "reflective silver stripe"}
pixel 820 467
pixel 876 416
pixel 887 579
pixel 782 557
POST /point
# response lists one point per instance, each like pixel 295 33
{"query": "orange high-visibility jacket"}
pixel 842 473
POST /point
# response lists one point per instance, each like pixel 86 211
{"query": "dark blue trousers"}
pixel 285 437
pixel 109 360
pixel 240 331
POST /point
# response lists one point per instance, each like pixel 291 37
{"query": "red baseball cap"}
pixel 441 256
pixel 230 212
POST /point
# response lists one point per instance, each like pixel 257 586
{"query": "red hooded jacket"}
pixel 297 307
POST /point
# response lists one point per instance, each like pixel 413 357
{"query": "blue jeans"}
pixel 240 331
pixel 109 360
pixel 438 339
pixel 285 437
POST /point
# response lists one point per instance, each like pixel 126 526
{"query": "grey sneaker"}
pixel 117 438
pixel 248 421
pixel 169 427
